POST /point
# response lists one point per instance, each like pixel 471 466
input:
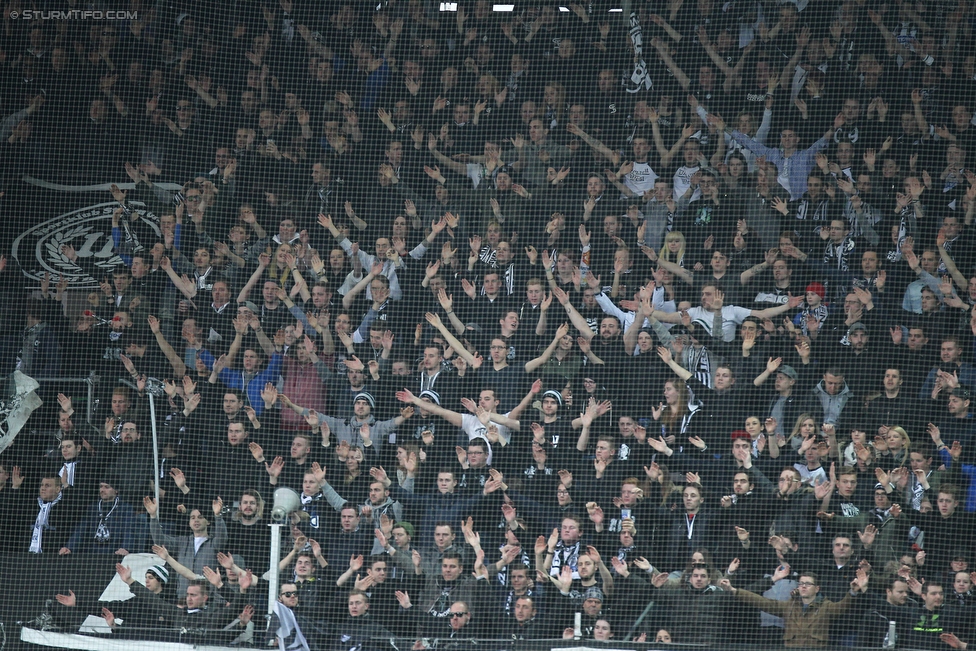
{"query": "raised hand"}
pixel 275 467
pixel 124 573
pixel 403 599
pixel 868 535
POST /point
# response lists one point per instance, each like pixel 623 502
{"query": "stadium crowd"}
pixel 662 317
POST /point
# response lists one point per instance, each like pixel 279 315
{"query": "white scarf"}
pixel 287 627
pixel 40 523
pixel 70 468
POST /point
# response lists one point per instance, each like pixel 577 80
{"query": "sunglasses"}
pixel 290 593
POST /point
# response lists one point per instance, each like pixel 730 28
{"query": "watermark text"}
pixel 74 14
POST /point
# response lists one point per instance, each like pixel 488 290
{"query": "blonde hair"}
pixel 799 423
pixel 281 274
pixel 906 448
pixel 666 253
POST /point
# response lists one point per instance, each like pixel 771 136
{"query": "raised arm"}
pixel 646 310
pixel 574 317
pixel 920 120
pixel 358 288
pixel 456 345
pixel 594 144
pixel 665 56
pixel 263 261
pixel 179 367
pixel 182 570
pixel 535 390
pixel 533 364
pixel 453 165
pixel 325 221
pixel 452 417
pixel 188 290
pixel 716 58
pixel 328 344
pixel 957 277
pixel 677 271
pixel 675 367
pixel 746 276
pixel 792 303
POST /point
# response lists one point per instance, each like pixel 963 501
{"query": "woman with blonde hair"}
pixel 894 447
pixel 674 248
pixel 279 268
pixel 804 428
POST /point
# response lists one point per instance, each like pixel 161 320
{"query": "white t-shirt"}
pixel 641 179
pixel 474 429
pixel 682 181
pixel 732 315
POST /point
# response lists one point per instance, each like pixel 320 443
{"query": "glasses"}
pixel 460 614
pixel 807 584
pixel 290 593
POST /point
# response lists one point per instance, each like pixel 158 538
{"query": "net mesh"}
pixel 342 325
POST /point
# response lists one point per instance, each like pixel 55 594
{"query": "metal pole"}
pixel 152 421
pixel 273 572
pixel 89 410
pixel 640 619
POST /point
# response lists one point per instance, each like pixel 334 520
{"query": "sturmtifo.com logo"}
pixel 89 231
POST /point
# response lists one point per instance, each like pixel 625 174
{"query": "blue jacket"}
pixel 236 379
pixel 799 163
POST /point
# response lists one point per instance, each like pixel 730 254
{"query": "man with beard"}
pixel 895 607
pixel 248 533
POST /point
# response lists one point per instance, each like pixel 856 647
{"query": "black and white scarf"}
pixel 639 79
pixel 566 555
pixel 102 532
pixel 40 524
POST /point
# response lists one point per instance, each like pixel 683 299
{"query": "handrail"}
pixel 91 379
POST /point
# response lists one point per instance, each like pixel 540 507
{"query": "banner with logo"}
pixel 87 228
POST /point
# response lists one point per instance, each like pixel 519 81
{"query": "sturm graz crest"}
pixel 88 230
